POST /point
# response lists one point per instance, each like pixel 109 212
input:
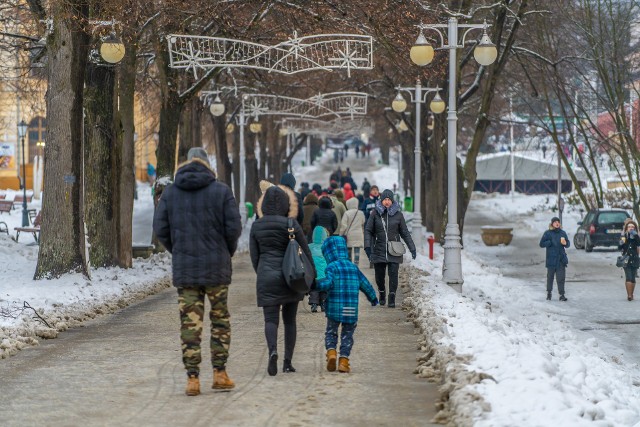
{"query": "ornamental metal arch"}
pixel 329 105
pixel 334 128
pixel 295 55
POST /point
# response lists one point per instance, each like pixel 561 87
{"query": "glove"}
pixel 374 302
pixel 368 252
pixel 413 254
pixel 633 234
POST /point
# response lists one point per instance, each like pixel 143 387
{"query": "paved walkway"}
pixel 125 369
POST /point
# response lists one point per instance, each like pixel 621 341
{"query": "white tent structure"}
pixel 533 175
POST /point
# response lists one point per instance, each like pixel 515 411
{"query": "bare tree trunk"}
pixel 167 134
pixel 222 153
pixel 62 242
pixel 251 169
pixel 435 188
pixel 126 148
pixel 100 156
pixel 235 146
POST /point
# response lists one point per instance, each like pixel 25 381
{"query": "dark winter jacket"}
pixel 366 187
pixel 343 281
pixel 375 236
pixel 267 244
pixel 290 181
pixel 310 205
pixel 198 221
pixel 324 216
pixel 630 247
pixel 556 254
pixel 368 206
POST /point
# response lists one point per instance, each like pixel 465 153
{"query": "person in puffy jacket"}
pixel 317 298
pixel 343 281
pixel 289 180
pixel 325 216
pixel 198 221
pixel 630 244
pixel 268 243
pixel 555 240
pixel 348 192
pixel 352 228
pixel 310 205
pixel 386 224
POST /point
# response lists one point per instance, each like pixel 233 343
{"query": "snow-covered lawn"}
pixel 509 361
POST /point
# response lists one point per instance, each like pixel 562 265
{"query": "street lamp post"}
pixel 22 131
pixel 422 54
pixel 418 96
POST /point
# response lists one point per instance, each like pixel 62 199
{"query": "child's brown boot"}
pixel 221 380
pixel 343 365
pixel 331 359
pixel 193 385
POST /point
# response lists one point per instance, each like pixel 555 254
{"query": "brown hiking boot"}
pixel 343 365
pixel 193 386
pixel 331 359
pixel 221 380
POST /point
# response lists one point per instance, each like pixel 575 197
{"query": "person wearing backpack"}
pixel 268 242
pixel 343 282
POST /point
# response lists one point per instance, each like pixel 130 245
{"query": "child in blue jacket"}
pixel 343 281
pixel 316 298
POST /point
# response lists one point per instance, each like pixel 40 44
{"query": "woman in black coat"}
pixel 268 242
pixel 324 216
pixel 629 244
pixel 385 224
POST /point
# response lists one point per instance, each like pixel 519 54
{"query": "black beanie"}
pixel 387 194
pixel 289 180
pixel 554 219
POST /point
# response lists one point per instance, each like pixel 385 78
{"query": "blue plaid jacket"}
pixel 343 281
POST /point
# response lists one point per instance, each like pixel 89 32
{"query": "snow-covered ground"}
pixel 510 357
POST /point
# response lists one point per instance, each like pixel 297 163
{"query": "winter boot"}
pixel 548 296
pixel 343 365
pixel 314 308
pixel 392 300
pixel 563 298
pixel 382 298
pixel 193 385
pixel 221 380
pixel 323 306
pixel 272 367
pixel 287 366
pixel 331 359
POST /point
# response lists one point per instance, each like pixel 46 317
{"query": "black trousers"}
pixel 271 322
pixel 559 273
pixel 380 269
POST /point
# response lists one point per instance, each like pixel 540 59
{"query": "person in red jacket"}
pixel 348 192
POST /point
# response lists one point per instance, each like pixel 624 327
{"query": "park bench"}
pixel 35 230
pixel 17 201
pixel 4 228
pixel 6 206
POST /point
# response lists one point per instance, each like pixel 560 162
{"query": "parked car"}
pixel 600 227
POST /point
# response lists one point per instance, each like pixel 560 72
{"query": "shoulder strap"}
pixel 349 226
pixel 290 229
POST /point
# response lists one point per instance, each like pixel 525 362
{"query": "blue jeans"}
pixel 346 336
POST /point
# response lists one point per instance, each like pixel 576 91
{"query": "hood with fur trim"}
pixel 292 203
pixel 193 175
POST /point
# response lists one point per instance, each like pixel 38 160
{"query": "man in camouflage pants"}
pixel 198 221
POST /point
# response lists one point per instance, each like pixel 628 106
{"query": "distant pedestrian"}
pixel 346 150
pixel 366 187
pixel 352 227
pixel 268 242
pixel 325 216
pixel 343 282
pixel 317 298
pixel 348 192
pixel 555 240
pixel 357 150
pixel 151 173
pixel 386 224
pixel 630 245
pixel 198 221
pixel 369 203
pixel 310 205
pixel 290 181
pixel 338 208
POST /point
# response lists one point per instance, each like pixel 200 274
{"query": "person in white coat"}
pixel 352 228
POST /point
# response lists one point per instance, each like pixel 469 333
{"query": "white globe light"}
pixel 112 49
pixel 486 52
pixel 437 105
pixel 421 52
pixel 217 108
pixel 399 104
pixel 230 128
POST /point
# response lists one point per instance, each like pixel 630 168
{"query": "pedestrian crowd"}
pixel 197 219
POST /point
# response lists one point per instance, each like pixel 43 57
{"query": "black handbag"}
pixel 296 266
pixel 622 261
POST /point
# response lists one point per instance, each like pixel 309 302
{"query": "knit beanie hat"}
pixel 387 194
pixel 198 153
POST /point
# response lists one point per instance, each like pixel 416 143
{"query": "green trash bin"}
pixel 408 204
pixel 249 207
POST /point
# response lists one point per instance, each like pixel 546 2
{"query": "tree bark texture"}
pixel 224 167
pixel 435 173
pixel 62 236
pixel 101 171
pixel 251 169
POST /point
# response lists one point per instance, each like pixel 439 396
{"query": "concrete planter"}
pixel 494 236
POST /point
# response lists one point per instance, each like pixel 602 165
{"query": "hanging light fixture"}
pixel 112 49
pixel 231 127
pixel 255 127
pixel 486 52
pixel 437 104
pixel 217 107
pixel 399 104
pixel 421 52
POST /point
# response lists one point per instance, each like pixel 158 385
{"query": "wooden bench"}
pixel 35 230
pixel 17 201
pixel 6 206
pixel 4 228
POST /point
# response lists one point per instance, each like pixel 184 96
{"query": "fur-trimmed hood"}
pixel 291 196
pixel 193 175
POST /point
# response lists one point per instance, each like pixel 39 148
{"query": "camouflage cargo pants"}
pixel 191 303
